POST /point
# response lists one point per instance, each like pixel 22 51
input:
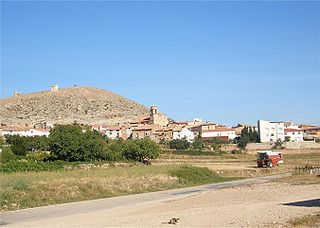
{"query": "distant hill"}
pixel 84 105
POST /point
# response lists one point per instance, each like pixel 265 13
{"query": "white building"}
pixel 180 133
pixel 9 130
pixel 114 132
pixel 223 133
pixel 293 134
pixel 270 131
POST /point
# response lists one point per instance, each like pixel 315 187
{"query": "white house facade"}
pixel 270 131
pixel 293 134
pixel 183 133
pixel 25 132
pixel 223 133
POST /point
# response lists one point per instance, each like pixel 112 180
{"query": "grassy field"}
pixel 240 164
pixel 32 189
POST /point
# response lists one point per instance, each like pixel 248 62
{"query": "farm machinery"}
pixel 269 158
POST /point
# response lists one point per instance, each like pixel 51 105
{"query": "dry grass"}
pixel 23 190
pixel 307 221
pixel 301 179
pixel 242 165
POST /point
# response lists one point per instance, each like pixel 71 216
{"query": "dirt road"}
pixel 205 206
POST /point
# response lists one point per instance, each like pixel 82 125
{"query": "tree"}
pixel 18 144
pixel 65 142
pixel 139 149
pixel 73 143
pixel 198 142
pixel 248 135
pixel 38 143
pixel 179 144
pixel 243 142
pixel 278 143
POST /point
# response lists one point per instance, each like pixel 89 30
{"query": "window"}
pixel 272 134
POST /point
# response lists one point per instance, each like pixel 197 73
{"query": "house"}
pixel 226 134
pixel 144 131
pixel 293 135
pixel 157 118
pixel 310 132
pixel 238 129
pixel 54 88
pixel 183 132
pixel 23 131
pixel 270 131
pixel 162 133
pixel 113 131
pixel 204 127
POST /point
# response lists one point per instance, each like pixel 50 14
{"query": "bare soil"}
pixel 265 205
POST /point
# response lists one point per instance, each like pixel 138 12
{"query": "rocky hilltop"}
pixel 84 105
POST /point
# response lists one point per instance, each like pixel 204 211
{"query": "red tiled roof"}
pixel 218 130
pixel 291 130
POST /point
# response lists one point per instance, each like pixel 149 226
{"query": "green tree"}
pixel 198 142
pixel 66 143
pixel 179 144
pixel 18 144
pixel 38 143
pixel 140 148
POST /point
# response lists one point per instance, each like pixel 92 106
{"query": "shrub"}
pixel 194 175
pixel 198 142
pixel 19 146
pixel 179 144
pixel 23 166
pixel 140 148
pixel 38 156
pixel 236 152
pixel 7 155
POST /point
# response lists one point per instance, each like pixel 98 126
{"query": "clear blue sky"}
pixel 227 62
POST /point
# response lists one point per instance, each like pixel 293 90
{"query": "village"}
pixel 158 127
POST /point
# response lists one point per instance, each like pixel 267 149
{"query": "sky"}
pixel 227 62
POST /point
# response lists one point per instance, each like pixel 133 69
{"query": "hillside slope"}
pixel 84 105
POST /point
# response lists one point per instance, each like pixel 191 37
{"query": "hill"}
pixel 84 105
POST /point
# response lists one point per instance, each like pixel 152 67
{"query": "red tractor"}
pixel 269 158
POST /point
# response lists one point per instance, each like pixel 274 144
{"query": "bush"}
pixel 19 146
pixel 179 144
pixel 194 175
pixel 7 155
pixel 198 142
pixel 236 152
pixel 23 166
pixel 38 156
pixel 141 148
pixel 243 142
